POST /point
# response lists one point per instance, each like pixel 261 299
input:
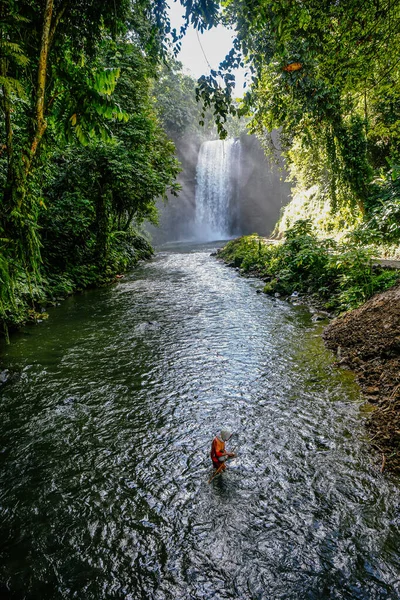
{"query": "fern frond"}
pixel 13 86
pixel 13 51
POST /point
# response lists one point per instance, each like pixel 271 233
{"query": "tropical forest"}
pixel 199 299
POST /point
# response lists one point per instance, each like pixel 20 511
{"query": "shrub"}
pixel 340 276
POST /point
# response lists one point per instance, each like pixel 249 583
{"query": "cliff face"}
pixel 260 193
pixel 262 189
pixel 176 216
pixel 367 341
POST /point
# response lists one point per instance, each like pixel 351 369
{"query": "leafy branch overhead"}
pixel 317 70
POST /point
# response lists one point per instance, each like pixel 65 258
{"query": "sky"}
pixel 216 43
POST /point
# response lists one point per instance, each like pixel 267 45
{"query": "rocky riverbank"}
pixel 367 341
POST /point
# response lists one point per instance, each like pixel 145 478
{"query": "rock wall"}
pixel 176 215
pixel 262 190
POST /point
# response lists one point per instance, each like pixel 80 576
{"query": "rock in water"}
pixel 4 376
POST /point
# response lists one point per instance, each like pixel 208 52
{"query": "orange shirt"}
pixel 217 450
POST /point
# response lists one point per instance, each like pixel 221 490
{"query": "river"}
pixel 105 430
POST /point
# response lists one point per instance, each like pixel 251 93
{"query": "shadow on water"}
pixel 105 433
pixel 224 490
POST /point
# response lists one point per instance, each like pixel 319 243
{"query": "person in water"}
pixel 218 453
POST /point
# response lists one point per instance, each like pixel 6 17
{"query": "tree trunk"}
pixel 19 207
pixel 40 121
pixel 102 221
pixel 129 219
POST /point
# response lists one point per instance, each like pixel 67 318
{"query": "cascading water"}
pixel 217 171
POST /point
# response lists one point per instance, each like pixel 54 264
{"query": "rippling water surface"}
pixel 105 431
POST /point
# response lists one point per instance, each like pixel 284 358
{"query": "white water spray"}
pixel 217 171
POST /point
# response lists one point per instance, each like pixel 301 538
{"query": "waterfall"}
pixel 216 196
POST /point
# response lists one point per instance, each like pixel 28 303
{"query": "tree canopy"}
pixel 78 123
pixel 326 74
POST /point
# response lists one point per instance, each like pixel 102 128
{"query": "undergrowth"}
pixel 338 276
pixel 30 298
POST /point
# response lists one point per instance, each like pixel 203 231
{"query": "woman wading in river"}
pixel 218 453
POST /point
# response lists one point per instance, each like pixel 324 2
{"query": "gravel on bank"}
pixel 367 341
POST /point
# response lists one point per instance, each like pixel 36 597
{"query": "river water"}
pixel 105 432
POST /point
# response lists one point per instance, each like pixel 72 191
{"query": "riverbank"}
pixel 366 339
pixel 54 283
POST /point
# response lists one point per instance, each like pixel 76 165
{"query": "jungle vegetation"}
pixel 334 276
pixel 83 151
pixel 183 115
pixel 83 155
pixel 327 75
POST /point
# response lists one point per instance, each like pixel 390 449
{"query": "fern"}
pixel 13 51
pixel 13 86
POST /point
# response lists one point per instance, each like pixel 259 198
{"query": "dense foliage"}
pixel 180 112
pixel 326 74
pixel 83 156
pixel 336 276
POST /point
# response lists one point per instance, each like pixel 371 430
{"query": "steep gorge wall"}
pixel 262 189
pixel 176 216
